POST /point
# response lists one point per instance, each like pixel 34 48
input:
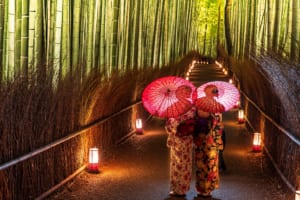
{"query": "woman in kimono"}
pixel 208 142
pixel 180 141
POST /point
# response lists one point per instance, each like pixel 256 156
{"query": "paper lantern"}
pixel 93 165
pixel 241 116
pixel 256 142
pixel 297 196
pixel 237 104
pixel 139 126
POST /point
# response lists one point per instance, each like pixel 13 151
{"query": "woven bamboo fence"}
pixel 266 103
pixel 45 134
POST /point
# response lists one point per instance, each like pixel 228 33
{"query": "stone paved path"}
pixel 139 168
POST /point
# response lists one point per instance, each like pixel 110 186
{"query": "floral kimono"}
pixel 208 142
pixel 181 150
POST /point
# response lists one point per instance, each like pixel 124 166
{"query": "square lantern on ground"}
pixel 139 126
pixel 93 165
pixel 297 195
pixel 241 116
pixel 257 142
pixel 237 104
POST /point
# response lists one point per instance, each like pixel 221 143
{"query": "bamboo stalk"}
pixel 18 36
pixel 31 35
pixel 9 67
pixel 75 32
pixel 2 17
pixel 90 36
pixel 57 43
pixel 24 38
pixel 65 42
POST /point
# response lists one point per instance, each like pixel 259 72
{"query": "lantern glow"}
pixel 139 126
pixel 93 165
pixel 256 142
pixel 237 104
pixel 297 195
pixel 241 116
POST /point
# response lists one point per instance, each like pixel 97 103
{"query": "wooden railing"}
pixel 63 140
pixel 292 138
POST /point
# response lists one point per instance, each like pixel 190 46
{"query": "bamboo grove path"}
pixel 139 167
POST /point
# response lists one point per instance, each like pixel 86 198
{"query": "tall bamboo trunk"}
pixel 24 37
pixel 115 39
pixel 276 28
pixel 2 17
pixel 227 26
pixel 295 32
pixel 57 43
pixel 90 36
pixel 75 34
pixel 136 35
pixel 18 37
pixel 65 43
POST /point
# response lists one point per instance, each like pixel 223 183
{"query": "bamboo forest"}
pixel 82 35
pixel 72 73
pixel 120 35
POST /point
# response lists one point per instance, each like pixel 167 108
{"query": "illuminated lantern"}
pixel 93 165
pixel 237 105
pixel 256 142
pixel 139 126
pixel 230 81
pixel 297 196
pixel 241 116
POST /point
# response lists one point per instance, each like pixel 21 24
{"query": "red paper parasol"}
pixel 217 96
pixel 169 96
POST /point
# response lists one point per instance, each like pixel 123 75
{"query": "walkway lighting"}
pixel 256 142
pixel 241 116
pixel 297 196
pixel 139 126
pixel 225 71
pixel 93 165
pixel 237 104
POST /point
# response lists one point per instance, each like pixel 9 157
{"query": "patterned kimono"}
pixel 208 142
pixel 181 150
